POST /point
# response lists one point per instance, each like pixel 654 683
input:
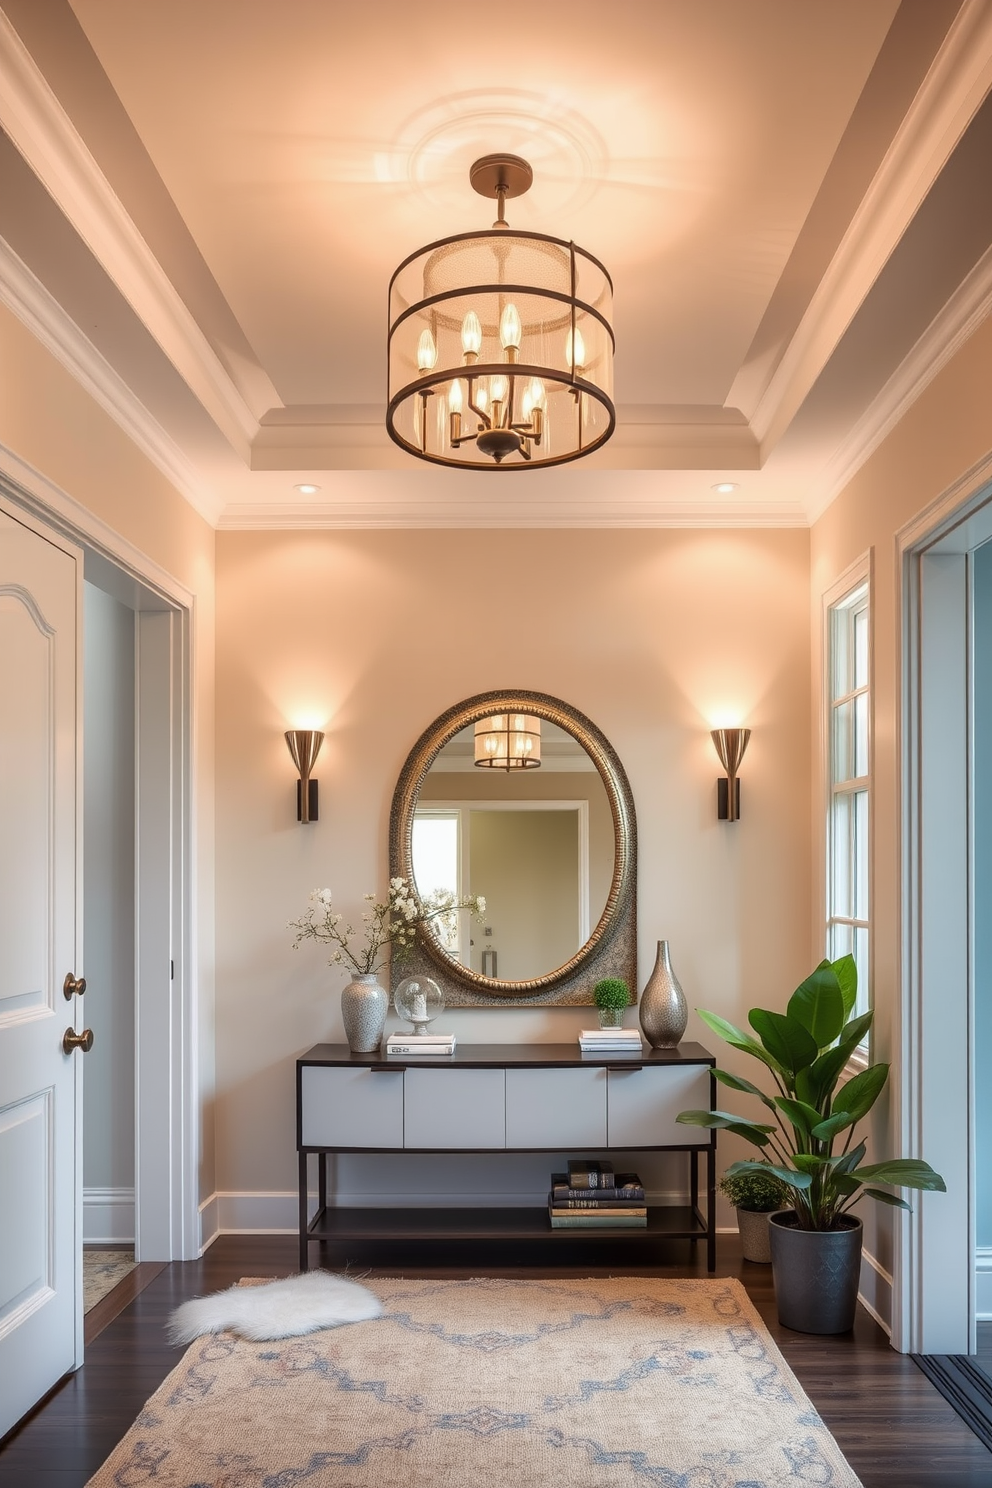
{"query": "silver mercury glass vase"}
pixel 664 1011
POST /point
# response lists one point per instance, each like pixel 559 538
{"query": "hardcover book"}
pixel 590 1174
pixel 591 1219
pixel 627 1189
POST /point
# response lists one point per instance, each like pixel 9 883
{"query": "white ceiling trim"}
pixel 964 312
pixel 351 515
pixel 947 100
pixel 37 124
pixel 30 301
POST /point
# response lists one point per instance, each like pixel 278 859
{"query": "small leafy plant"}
pixel 806 1050
pixel 611 992
pixel 757 1190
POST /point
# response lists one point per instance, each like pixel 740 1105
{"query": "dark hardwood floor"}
pixel 893 1426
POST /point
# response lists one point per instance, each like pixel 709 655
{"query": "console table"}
pixel 501 1098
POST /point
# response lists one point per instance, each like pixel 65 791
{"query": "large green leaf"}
pixel 736 1082
pixel 906 1172
pixel 827 1070
pixel 849 1160
pixel 738 1039
pixel 818 1004
pixel 800 1115
pixel 787 1175
pixel 844 1184
pixel 808 1162
pixel 825 1131
pixel 786 1040
pixel 846 971
pixel 751 1131
pixel 887 1198
pixel 860 1094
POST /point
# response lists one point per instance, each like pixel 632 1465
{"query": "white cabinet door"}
pixel 556 1108
pixel 450 1109
pixel 642 1105
pixel 352 1107
pixel 40 1086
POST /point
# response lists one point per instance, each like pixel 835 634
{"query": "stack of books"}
pixel 433 1044
pixel 610 1041
pixel 590 1196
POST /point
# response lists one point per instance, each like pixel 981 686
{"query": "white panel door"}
pixel 40 1086
pixel 549 1108
pixel 642 1105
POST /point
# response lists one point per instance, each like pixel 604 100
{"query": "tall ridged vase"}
pixel 664 1011
pixel 364 1005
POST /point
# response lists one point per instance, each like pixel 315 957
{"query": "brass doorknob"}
pixel 73 1040
pixel 73 986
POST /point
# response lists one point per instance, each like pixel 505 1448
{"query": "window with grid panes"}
pixel 849 759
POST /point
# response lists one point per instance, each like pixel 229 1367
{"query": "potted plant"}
pixel 611 996
pixel 816 1244
pixel 754 1195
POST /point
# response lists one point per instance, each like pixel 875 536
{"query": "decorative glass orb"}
pixel 419 999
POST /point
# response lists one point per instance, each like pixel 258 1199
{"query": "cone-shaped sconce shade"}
pixel 730 745
pixel 304 746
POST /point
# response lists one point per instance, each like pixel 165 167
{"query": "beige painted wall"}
pixel 48 422
pixel 653 635
pixel 946 432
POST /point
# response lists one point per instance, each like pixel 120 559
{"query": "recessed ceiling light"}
pixel 723 487
pixel 306 488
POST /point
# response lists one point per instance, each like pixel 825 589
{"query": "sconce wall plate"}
pixel 304 746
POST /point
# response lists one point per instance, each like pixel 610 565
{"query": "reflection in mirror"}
pixel 538 844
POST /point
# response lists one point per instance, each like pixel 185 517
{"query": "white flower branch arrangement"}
pixel 390 923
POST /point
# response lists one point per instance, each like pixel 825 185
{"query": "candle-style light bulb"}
pixel 527 403
pixel 510 331
pixel 455 404
pixel 579 359
pixel 471 336
pixel 538 396
pixel 426 352
pixel 481 396
pixel 498 388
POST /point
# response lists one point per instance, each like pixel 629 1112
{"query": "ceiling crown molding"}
pixel 957 321
pixel 41 130
pixel 947 100
pixel 30 301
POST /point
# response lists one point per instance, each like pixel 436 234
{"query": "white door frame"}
pixel 166 1050
pixel 934 1294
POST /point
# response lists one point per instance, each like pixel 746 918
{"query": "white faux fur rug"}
pixel 276 1309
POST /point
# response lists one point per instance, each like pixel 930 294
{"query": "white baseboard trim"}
pixel 983 1283
pixel 108 1216
pixel 209 1225
pixel 875 1294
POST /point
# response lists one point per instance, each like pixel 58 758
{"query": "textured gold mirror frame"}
pixel 611 950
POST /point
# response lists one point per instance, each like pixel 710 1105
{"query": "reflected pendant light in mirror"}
pixel 508 741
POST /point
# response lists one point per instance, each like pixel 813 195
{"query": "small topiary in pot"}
pixel 611 996
pixel 754 1195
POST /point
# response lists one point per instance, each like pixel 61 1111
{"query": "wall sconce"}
pixel 730 745
pixel 304 746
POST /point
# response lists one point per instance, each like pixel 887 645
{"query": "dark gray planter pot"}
pixel 816 1273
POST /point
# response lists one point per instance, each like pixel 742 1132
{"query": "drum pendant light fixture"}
pixel 500 343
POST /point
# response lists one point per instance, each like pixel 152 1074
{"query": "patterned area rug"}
pixel 620 1383
pixel 102 1270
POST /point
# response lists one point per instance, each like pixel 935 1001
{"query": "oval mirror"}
pixel 519 798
